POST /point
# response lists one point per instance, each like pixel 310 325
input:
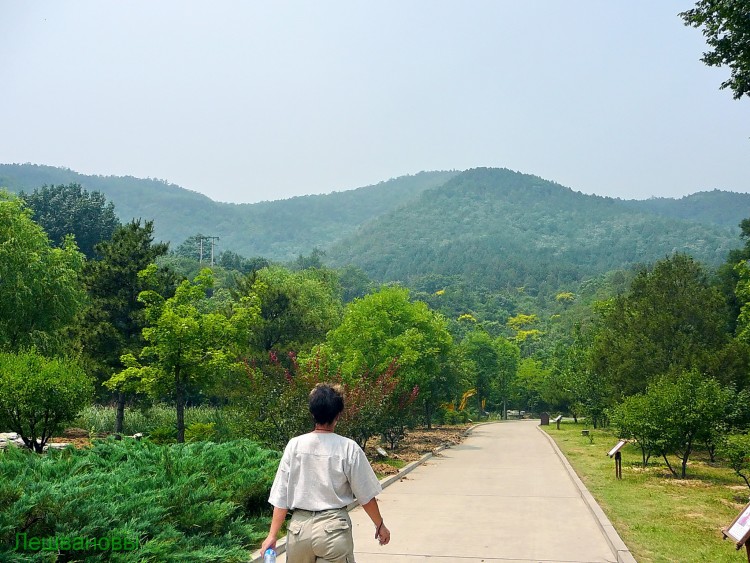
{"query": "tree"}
pixel 685 408
pixel 354 283
pixel 41 293
pixel 386 326
pixel 635 421
pixel 297 309
pixel 736 450
pixel 38 395
pixel 71 210
pixel 230 260
pixel 508 360
pixel 115 319
pixel 728 274
pixel 479 349
pixel 528 385
pixel 726 26
pixel 671 319
pixel 188 346
pixel 590 393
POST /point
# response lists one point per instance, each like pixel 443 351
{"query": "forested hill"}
pixel 716 207
pixel 492 227
pixel 504 229
pixel 279 230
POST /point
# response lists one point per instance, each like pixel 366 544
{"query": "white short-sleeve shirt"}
pixel 323 470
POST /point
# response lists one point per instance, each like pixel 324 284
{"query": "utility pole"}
pixel 212 240
pixel 213 243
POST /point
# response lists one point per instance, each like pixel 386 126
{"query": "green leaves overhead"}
pixel 726 26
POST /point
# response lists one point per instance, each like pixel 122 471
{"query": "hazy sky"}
pixel 248 100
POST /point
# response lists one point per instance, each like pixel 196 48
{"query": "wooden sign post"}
pixel 618 457
pixel 557 420
pixel 739 530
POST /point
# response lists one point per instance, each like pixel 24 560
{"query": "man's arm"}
pixel 279 515
pixel 382 533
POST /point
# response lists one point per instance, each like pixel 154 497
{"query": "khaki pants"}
pixel 320 537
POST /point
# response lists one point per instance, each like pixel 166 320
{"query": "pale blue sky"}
pixel 247 100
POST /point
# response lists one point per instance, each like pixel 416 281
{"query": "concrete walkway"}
pixel 503 495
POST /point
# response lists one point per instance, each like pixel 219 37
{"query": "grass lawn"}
pixel 660 518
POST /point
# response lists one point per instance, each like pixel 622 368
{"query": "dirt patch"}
pixel 78 443
pixel 689 483
pixel 75 433
pixel 416 443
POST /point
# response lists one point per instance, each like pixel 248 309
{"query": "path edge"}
pixel 257 556
pixel 618 547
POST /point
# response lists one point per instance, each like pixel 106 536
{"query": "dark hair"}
pixel 326 403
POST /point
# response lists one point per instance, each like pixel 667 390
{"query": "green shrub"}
pixel 163 435
pixel 200 432
pixel 186 502
pixel 38 395
pixel 456 417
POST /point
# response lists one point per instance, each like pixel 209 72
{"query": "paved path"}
pixel 503 495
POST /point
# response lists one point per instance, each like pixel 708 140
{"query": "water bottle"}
pixel 269 556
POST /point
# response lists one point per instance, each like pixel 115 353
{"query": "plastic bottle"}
pixel 269 556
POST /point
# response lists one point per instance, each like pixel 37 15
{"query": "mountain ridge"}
pixel 506 229
pixel 477 224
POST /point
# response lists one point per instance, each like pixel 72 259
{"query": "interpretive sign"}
pixel 618 457
pixel 739 529
pixel 617 448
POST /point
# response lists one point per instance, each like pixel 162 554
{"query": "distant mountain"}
pixel 491 227
pixel 503 229
pixel 716 207
pixel 279 230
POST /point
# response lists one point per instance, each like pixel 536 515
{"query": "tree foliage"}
pixel 385 326
pixel 114 320
pixel 71 210
pixel 115 317
pixel 41 293
pixel 188 346
pixel 726 26
pixel 493 363
pixel 297 309
pixel 671 319
pixel 676 413
pixel 736 450
pixel 38 395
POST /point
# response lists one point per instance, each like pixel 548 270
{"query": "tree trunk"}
pixel 686 455
pixel 180 396
pixel 120 418
pixel 669 465
pixel 427 415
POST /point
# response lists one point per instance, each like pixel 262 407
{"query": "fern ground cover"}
pixel 192 502
pixel 660 518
